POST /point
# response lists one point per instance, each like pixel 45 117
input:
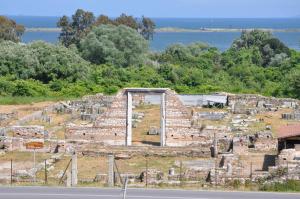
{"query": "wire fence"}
pixel 27 168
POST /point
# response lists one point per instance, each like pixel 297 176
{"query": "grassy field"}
pixel 10 100
pixel 24 156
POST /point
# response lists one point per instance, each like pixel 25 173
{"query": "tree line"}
pixel 109 56
pixel 82 22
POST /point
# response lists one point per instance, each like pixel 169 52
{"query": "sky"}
pixel 156 8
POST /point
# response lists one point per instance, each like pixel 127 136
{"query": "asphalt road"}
pixel 97 193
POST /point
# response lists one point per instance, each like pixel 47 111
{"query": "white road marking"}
pixel 96 195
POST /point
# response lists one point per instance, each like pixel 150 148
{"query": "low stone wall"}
pixel 94 150
pixel 259 142
pixel 28 132
pixel 19 144
pixel 249 101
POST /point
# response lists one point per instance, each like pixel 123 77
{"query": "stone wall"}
pixel 19 144
pixel 179 129
pixel 245 103
pixel 16 137
pixel 27 132
pixel 108 129
pixel 259 142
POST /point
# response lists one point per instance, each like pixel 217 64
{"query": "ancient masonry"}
pixel 113 127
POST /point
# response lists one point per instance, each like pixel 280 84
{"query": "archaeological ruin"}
pixel 215 138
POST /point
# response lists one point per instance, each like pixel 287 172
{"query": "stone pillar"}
pixel 74 170
pixel 110 170
pixel 129 120
pixel 163 120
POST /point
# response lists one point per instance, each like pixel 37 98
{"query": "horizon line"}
pixel 288 17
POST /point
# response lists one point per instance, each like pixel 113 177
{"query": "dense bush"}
pixel 267 49
pixel 41 61
pixel 119 59
pixel 117 45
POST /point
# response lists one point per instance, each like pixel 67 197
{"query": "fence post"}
pixel 46 177
pixel 287 174
pixel 69 179
pixel 216 181
pixel 34 177
pixel 111 170
pixel 146 172
pixel 251 171
pixel 180 173
pixel 74 171
pixel 125 187
pixel 11 172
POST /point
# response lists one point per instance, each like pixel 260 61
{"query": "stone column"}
pixel 110 170
pixel 163 120
pixel 129 120
pixel 74 170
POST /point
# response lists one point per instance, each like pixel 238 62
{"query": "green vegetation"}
pixel 82 22
pixel 104 55
pixel 10 30
pixel 116 45
pixel 289 186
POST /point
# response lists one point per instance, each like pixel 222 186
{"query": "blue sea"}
pixel 161 40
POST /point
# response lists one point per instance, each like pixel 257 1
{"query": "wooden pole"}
pixel 287 175
pixel 11 171
pixel 180 175
pixel 146 172
pixel 62 177
pixel 215 172
pixel 34 177
pixel 251 171
pixel 46 177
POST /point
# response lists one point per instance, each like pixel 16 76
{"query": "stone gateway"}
pixel 114 126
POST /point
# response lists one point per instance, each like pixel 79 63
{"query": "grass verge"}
pixel 28 100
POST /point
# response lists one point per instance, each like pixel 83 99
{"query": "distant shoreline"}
pixel 175 30
pixel 170 29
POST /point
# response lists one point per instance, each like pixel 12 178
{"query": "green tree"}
pixel 271 50
pixel 293 84
pixel 117 45
pixel 10 30
pixel 252 38
pixel 103 20
pixel 72 31
pixel 128 21
pixel 147 28
pixel 66 37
